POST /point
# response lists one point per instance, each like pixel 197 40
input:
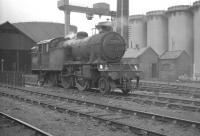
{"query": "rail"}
pixel 150 115
pixel 37 130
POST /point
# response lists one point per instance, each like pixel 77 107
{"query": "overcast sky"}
pixel 46 10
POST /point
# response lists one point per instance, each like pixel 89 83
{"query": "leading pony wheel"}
pixel 104 85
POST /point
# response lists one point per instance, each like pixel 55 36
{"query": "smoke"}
pixel 71 35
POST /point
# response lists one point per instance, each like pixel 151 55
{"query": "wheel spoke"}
pixel 82 84
pixel 125 91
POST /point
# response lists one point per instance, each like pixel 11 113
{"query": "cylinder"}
pixel 137 31
pixel 196 22
pixel 157 33
pixel 180 29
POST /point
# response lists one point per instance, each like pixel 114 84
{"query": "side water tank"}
pixel 180 29
pixel 196 23
pixel 137 31
pixel 157 33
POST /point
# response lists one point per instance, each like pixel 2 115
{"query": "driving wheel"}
pixel 82 84
pixel 52 81
pixel 126 91
pixel 67 81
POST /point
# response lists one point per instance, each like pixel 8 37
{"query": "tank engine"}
pixel 84 62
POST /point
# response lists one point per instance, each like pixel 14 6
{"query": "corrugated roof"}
pixel 41 30
pixel 8 27
pixel 171 54
pixel 134 53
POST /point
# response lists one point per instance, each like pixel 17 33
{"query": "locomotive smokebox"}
pixel 104 47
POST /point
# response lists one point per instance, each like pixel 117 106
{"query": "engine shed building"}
pixel 147 60
pixel 173 64
pixel 17 39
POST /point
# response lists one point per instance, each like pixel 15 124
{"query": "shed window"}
pixel 166 67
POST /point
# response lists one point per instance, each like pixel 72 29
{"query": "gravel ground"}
pixel 195 116
pixel 172 130
pixel 55 123
pixel 8 129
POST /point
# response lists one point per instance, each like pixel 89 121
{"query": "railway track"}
pixel 111 114
pixel 170 85
pixel 186 104
pixel 159 88
pixel 101 115
pixel 11 124
pixel 167 88
pixel 162 101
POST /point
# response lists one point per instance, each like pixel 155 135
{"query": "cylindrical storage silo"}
pixel 137 31
pixel 180 29
pixel 196 25
pixel 157 31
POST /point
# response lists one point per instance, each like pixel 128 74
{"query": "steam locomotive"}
pixel 84 62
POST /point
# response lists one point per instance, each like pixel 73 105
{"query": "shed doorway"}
pixel 154 70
